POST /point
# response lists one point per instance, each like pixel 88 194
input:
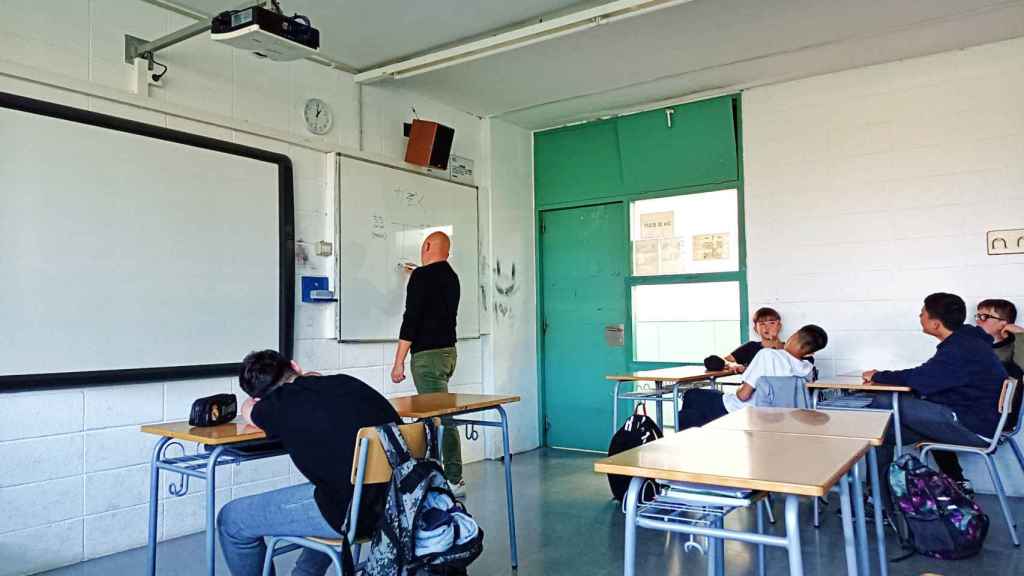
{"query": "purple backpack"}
pixel 942 522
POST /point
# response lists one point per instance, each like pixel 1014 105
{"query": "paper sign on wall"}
pixel 657 225
pixel 645 257
pixel 711 246
pixel 670 256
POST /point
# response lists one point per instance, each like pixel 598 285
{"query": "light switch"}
pixel 1006 242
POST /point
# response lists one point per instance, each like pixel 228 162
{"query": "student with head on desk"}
pixel 956 391
pixel 701 405
pixel 316 418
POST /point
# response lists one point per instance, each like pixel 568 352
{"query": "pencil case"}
pixel 213 410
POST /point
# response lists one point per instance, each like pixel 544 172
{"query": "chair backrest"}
pixel 782 392
pixel 377 468
pixel 1005 408
pixel 1013 427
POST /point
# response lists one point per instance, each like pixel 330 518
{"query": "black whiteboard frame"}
pixel 286 250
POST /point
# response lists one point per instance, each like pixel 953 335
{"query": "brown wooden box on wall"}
pixel 430 144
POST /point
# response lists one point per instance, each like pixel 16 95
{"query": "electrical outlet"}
pixel 1005 242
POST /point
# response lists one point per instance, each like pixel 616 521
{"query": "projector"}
pixel 266 33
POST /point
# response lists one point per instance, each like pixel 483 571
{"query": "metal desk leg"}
pixel 629 555
pixel 508 488
pixel 712 557
pixel 675 404
pixel 876 498
pixel 657 407
pixel 848 538
pixel 720 549
pixel 796 559
pixel 211 511
pixel 615 407
pixel 862 532
pixel 154 505
pixel 896 422
pixel 760 547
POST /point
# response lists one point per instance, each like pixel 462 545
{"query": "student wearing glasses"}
pixel 998 319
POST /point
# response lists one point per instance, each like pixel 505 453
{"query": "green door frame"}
pixel 626 199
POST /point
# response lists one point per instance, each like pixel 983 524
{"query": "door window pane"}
pixel 685 322
pixel 688 234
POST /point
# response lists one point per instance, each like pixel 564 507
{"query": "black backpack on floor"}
pixel 639 429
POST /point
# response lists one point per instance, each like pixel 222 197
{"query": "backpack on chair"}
pixel 638 430
pixel 424 530
pixel 942 522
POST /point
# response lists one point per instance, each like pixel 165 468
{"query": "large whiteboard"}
pixel 385 213
pixel 128 256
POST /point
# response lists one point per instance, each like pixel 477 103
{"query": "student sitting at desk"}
pixel 956 391
pixel 767 325
pixel 701 405
pixel 316 418
pixel 997 318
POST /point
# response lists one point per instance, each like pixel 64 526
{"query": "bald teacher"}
pixel 428 330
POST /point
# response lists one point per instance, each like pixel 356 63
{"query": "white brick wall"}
pixel 866 190
pixel 73 474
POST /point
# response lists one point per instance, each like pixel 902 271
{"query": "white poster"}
pixel 657 225
pixel 711 246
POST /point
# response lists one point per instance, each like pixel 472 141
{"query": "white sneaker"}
pixel 459 490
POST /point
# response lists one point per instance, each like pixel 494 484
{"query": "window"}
pixel 688 285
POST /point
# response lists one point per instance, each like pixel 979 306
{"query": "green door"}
pixel 584 265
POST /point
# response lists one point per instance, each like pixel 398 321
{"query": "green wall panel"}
pixel 699 147
pixel 577 163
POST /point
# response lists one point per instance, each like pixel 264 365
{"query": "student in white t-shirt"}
pixel 702 405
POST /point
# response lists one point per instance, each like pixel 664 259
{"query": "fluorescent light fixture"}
pixel 517 38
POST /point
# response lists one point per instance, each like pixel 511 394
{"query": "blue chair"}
pixel 370 466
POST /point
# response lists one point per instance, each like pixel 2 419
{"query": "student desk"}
pixel 763 461
pixel 816 387
pixel 231 443
pixel 678 376
pixel 862 425
pixel 237 442
pixel 447 405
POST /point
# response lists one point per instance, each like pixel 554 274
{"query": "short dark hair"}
pixel 765 313
pixel 811 338
pixel 1004 308
pixel 262 370
pixel 946 308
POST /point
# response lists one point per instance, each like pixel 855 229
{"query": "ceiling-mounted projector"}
pixel 266 33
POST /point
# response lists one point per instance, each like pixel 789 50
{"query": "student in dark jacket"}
pixel 998 319
pixel 955 392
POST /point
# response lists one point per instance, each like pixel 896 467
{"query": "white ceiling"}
pixel 703 46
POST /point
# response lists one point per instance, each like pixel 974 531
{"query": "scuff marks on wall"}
pixel 505 287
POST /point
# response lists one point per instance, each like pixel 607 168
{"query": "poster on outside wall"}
pixel 657 225
pixel 711 246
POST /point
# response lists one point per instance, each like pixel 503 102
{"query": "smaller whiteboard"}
pixel 385 213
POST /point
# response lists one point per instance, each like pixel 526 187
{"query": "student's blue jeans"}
pixel 291 511
pixel 920 421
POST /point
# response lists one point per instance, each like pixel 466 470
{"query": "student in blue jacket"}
pixel 955 392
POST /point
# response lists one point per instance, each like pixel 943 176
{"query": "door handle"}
pixel 615 335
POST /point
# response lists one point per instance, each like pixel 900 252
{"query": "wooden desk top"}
pixel 859 387
pixel 784 463
pixel 869 425
pixel 444 404
pixel 418 406
pixel 230 433
pixel 676 374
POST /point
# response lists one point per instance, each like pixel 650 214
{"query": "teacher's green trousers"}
pixel 431 371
